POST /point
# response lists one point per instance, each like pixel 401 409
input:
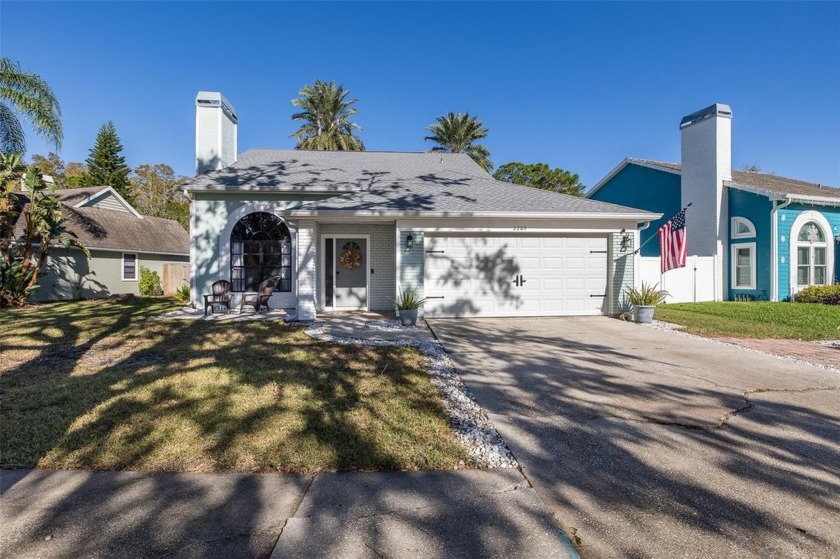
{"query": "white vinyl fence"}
pixel 692 284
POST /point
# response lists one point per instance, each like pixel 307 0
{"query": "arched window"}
pixel 741 228
pixel 811 256
pixel 260 249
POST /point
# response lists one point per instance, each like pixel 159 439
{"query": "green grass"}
pixel 755 319
pixel 100 385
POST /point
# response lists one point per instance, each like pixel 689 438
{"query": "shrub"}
pixel 182 294
pixel 149 283
pixel 646 296
pixel 825 294
pixel 408 300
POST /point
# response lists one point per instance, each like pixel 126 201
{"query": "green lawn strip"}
pixel 755 319
pixel 97 385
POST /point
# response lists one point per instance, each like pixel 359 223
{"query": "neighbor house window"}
pixel 129 267
pixel 811 256
pixel 743 266
pixel 742 228
pixel 260 249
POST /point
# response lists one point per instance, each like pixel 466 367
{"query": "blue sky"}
pixel 578 86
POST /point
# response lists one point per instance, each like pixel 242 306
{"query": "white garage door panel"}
pixel 474 276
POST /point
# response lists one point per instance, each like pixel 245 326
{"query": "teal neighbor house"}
pixel 751 235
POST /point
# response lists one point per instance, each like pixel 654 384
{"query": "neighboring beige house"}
pixel 120 241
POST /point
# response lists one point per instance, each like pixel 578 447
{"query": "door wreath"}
pixel 351 256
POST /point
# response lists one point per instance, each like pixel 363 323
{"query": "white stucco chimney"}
pixel 215 132
pixel 706 152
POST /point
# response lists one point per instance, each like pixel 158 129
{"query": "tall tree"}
pixel 106 167
pixel 64 175
pixel 156 193
pixel 540 175
pixel 459 133
pixel 325 114
pixel 28 95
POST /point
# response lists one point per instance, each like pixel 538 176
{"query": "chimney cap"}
pixel 215 98
pixel 718 109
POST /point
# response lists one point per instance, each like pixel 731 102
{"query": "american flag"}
pixel 672 243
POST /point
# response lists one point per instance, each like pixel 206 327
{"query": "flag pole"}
pixel 649 239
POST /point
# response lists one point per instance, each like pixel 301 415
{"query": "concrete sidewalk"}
pixel 466 513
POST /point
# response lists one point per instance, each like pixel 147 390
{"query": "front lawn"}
pixel 759 319
pixel 99 385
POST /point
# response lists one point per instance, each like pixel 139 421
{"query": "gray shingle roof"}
pixel 393 183
pixel 763 181
pixel 116 230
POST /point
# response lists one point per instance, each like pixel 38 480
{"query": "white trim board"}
pixel 322 288
pixel 101 193
pixel 795 228
pixel 618 168
pixel 136 267
pixel 734 268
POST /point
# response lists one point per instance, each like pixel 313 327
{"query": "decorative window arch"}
pixel 811 251
pixel 260 249
pixel 741 228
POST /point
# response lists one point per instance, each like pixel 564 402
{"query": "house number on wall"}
pixel 520 227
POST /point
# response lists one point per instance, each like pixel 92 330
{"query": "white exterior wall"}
pixel 307 270
pixel 215 132
pixel 212 220
pixel 706 153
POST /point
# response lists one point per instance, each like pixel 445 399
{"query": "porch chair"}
pixel 222 292
pixel 260 298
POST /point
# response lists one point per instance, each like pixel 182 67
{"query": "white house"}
pixel 348 230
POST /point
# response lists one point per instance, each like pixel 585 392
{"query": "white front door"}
pixel 346 273
pixel 515 276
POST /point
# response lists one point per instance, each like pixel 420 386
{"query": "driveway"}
pixel 647 443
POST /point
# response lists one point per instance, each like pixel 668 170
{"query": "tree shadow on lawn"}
pixel 102 386
pixel 645 456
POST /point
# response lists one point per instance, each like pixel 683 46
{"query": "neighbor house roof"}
pixel 99 228
pixel 398 184
pixel 767 184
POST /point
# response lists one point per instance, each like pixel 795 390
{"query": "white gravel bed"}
pixel 189 313
pixel 676 329
pixel 469 421
pixel 394 326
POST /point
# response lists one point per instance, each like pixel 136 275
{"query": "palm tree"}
pixel 326 118
pixel 457 133
pixel 28 95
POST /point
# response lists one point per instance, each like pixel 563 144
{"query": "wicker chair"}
pixel 222 292
pixel 259 299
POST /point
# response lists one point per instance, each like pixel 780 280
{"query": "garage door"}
pixel 515 276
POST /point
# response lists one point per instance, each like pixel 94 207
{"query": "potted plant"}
pixel 644 300
pixel 407 305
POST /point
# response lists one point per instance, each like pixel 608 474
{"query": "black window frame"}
pixel 260 249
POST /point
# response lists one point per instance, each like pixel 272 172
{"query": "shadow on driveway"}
pixel 648 443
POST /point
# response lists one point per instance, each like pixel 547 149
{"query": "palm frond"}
pixel 458 133
pixel 12 138
pixel 33 98
pixel 325 117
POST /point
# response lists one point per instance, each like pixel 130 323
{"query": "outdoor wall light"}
pixel 625 240
pixel 409 242
pixel 837 238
